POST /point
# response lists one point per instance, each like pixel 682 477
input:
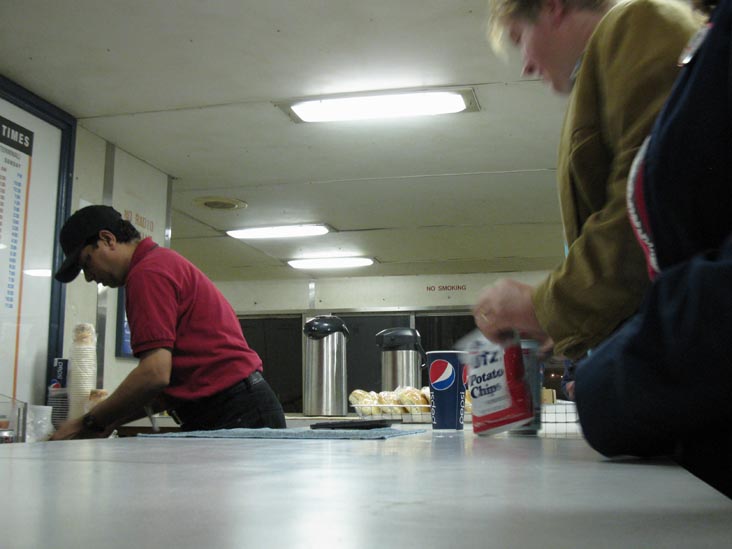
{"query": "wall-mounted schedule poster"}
pixel 16 152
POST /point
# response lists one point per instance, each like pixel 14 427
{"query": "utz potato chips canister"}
pixel 500 394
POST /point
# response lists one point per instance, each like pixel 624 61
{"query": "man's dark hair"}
pixel 123 231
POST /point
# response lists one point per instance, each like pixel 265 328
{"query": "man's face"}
pixel 544 50
pixel 99 265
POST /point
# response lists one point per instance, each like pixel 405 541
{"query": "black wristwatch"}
pixel 91 424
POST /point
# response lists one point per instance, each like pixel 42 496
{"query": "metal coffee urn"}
pixel 402 356
pixel 324 374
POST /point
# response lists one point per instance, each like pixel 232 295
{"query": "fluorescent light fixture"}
pixel 330 262
pixel 282 231
pixel 44 273
pixel 383 105
pixel 3 246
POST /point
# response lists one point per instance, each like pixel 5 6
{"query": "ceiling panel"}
pixel 190 87
pixel 256 143
pixel 466 199
pixel 223 250
pixel 411 245
pixel 188 53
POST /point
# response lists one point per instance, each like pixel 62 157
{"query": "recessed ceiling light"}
pixel 382 105
pixel 220 203
pixel 282 231
pixel 330 262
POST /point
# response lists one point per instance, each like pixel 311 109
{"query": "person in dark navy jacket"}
pixel 662 384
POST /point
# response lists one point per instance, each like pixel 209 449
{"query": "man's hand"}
pixel 569 390
pixel 68 429
pixel 139 388
pixel 506 306
pixel 74 428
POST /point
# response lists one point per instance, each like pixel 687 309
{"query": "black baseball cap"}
pixel 78 229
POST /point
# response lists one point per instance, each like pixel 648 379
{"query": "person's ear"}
pixel 108 238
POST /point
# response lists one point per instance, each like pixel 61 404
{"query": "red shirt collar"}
pixel 145 246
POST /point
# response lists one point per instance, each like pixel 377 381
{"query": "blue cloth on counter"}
pixel 297 433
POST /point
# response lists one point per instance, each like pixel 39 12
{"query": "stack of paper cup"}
pixel 82 368
pixel 58 399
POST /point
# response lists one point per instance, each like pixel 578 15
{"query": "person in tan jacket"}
pixel 617 62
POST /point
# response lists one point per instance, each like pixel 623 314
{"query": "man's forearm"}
pixel 138 389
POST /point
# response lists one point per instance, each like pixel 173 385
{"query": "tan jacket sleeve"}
pixel 627 72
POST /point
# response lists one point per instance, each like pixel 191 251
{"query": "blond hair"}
pixel 500 12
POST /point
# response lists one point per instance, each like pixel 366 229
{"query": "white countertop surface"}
pixel 435 489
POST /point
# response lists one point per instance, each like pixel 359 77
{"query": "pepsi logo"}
pixel 442 375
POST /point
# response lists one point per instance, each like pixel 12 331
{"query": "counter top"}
pixel 434 489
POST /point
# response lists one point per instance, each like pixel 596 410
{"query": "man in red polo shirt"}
pixel 194 360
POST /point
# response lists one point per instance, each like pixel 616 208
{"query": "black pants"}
pixel 250 403
pixel 708 455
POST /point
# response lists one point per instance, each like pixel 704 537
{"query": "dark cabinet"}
pixel 279 342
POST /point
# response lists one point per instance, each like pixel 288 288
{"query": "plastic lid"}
pixel 398 339
pixel 322 326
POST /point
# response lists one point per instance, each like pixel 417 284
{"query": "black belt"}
pixel 196 408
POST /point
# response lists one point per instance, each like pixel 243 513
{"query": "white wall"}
pixel 364 293
pixel 139 191
pixel 81 297
pixel 140 194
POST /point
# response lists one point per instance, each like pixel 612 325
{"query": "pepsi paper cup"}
pixel 447 375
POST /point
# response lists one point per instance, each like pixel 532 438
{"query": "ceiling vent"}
pixel 220 203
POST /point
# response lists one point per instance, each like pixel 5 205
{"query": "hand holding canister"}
pixel 505 307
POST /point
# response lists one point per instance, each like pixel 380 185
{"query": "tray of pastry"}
pixel 409 404
pixel 419 414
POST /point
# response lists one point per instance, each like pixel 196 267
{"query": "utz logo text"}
pixel 485 382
